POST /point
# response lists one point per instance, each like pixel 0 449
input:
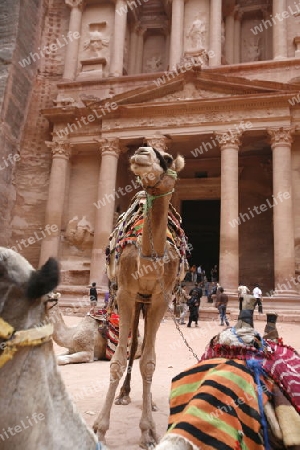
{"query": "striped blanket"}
pixel 214 405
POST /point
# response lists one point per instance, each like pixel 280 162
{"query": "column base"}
pixel 290 293
pixel 279 58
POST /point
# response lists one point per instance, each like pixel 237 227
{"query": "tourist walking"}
pixel 221 304
pixel 257 293
pixel 194 304
pixel 242 290
pixel 93 297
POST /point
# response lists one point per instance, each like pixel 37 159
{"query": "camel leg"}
pixel 154 315
pixel 79 357
pixel 123 397
pixel 117 366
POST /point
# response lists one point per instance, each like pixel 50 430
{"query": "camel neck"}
pixel 155 226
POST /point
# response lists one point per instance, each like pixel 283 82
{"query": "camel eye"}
pixel 168 160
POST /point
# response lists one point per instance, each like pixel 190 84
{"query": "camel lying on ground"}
pixel 36 411
pixel 243 394
pixel 84 342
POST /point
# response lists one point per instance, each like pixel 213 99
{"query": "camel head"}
pixel 152 165
pixel 22 289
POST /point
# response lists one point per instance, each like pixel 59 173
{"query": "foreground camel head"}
pixel 22 288
pixel 151 165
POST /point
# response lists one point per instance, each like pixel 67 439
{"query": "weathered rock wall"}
pixel 19 32
pixel 33 169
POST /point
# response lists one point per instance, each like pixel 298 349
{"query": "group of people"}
pixel 197 274
pixel 215 293
pixel 257 293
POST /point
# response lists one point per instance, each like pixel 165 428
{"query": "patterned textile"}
pixel 113 337
pixel 214 405
pixel 280 362
pixel 130 227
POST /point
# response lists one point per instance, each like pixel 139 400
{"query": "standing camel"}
pixel 146 274
pixel 36 411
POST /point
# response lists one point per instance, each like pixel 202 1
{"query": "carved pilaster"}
pixel 281 136
pixel 60 149
pixel 75 3
pixel 158 142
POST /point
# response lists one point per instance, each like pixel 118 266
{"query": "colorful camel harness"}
pixel 13 341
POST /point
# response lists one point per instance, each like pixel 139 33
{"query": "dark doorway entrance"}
pixel 201 223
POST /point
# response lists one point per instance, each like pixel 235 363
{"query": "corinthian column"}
pixel 71 57
pixel 121 8
pixel 283 220
pixel 237 35
pixel 229 235
pixel 279 30
pixel 176 44
pixel 229 37
pixel 61 151
pixel 109 149
pixel 215 32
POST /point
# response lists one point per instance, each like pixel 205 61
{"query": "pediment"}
pixel 195 85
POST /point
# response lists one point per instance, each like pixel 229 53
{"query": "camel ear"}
pixel 179 163
pixel 43 280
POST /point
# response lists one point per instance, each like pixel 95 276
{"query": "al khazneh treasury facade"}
pixel 216 81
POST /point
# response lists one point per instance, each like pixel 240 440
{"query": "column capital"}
pixel 158 142
pixel 60 149
pixel 238 13
pixel 75 3
pixel 110 146
pixel 229 139
pixel 281 136
pixel 140 29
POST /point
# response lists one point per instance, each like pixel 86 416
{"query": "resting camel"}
pixel 36 411
pixel 243 394
pixel 145 264
pixel 84 342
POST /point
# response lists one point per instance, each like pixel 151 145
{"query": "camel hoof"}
pixel 100 434
pixel 149 440
pixel 123 400
pixel 62 360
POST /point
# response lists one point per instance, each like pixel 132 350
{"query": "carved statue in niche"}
pixel 96 42
pixel 154 64
pixel 253 49
pixel 196 35
pixel 79 233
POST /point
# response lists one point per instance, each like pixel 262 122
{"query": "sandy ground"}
pixel 88 383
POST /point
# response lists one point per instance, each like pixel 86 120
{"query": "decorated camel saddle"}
pixel 243 394
pixel 129 229
pixel 109 330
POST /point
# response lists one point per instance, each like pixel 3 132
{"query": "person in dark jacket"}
pixel 93 296
pixel 193 304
